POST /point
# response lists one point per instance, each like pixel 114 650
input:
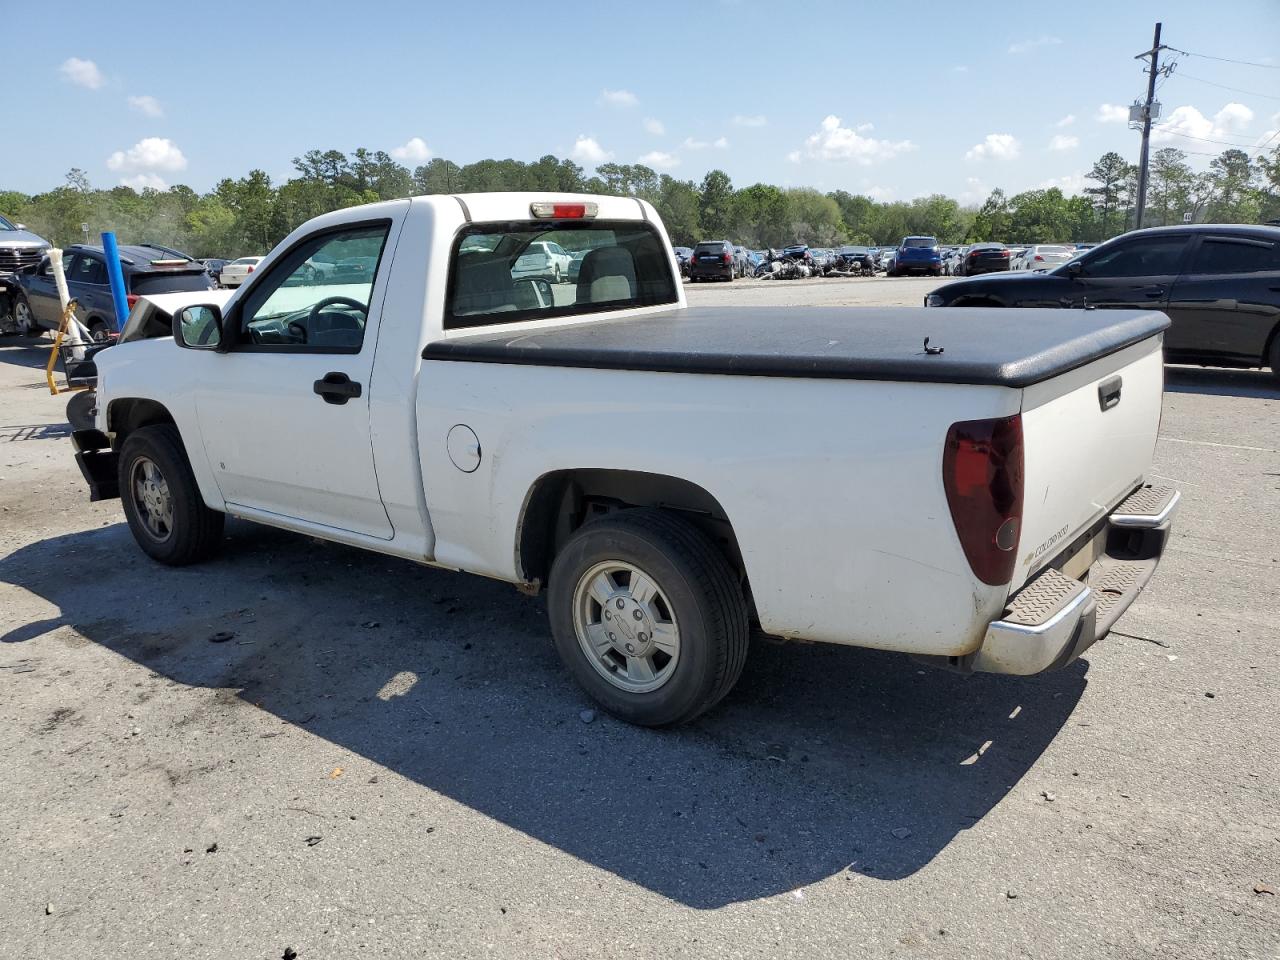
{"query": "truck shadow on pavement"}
pixel 823 761
pixel 26 351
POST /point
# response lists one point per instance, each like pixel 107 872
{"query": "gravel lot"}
pixel 387 760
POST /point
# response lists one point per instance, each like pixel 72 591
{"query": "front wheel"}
pixel 162 502
pixel 23 319
pixel 648 616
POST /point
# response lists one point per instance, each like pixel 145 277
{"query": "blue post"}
pixel 116 276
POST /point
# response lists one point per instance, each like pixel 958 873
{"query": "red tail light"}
pixel 131 299
pixel 728 258
pixel 1039 259
pixel 982 471
pixel 250 270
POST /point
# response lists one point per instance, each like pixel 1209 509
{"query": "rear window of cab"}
pixel 530 270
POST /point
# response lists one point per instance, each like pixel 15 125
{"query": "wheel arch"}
pixel 561 501
pixel 1269 351
pixel 127 414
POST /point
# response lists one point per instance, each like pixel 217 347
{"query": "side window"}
pixel 1143 257
pixel 88 270
pixel 299 307
pixel 1236 256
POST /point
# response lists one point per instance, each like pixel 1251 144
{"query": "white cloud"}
pixel 148 156
pixel 618 98
pixel 143 181
pixel 996 146
pixel 1231 120
pixel 882 194
pixel 414 150
pixel 1071 184
pixel 960 69
pixel 588 150
pixel 660 160
pixel 654 126
pixel 793 156
pixel 1063 142
pixel 834 142
pixel 83 73
pixel 1112 113
pixel 721 143
pixel 1026 46
pixel 1066 121
pixel 147 105
pixel 692 144
pixel 975 191
pixel 754 120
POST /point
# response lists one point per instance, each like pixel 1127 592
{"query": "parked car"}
pixel 237 271
pixel 19 249
pixel 213 266
pixel 683 254
pixel 1043 256
pixel 38 306
pixel 848 256
pixel 742 261
pixel 917 255
pixel 951 262
pixel 983 258
pixel 887 256
pixel 540 259
pixel 712 260
pixel 983 512
pixel 1219 284
pixel 575 264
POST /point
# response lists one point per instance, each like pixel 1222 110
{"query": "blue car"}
pixel 917 255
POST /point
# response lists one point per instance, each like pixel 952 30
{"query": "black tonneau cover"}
pixel 981 345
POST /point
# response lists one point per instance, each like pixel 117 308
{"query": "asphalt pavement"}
pixel 300 746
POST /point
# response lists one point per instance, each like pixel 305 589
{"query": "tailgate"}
pixel 1085 447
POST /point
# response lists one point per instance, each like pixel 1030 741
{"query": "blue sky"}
pixel 892 99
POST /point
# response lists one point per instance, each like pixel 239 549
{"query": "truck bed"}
pixel 981 345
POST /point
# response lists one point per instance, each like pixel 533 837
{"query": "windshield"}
pixel 6 225
pixel 521 271
pixel 1057 251
pixel 920 242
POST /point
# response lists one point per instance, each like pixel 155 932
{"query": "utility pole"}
pixel 1143 158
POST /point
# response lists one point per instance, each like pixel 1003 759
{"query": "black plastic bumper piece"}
pixel 98 464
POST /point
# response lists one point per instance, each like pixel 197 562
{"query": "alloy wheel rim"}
pixel 626 626
pixel 152 499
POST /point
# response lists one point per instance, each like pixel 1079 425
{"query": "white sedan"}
pixel 237 271
pixel 1044 257
pixel 542 258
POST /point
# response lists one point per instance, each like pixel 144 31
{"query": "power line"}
pixel 1245 63
pixel 1223 86
pixel 1225 143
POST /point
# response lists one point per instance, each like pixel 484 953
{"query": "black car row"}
pixel 1219 284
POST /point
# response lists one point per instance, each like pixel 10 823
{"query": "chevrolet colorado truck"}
pixel 955 486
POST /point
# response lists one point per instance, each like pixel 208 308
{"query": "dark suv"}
pixel 146 270
pixel 19 248
pixel 712 259
pixel 1219 284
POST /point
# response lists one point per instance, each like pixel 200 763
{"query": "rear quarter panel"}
pixel 833 488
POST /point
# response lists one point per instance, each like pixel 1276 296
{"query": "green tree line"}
pixel 251 214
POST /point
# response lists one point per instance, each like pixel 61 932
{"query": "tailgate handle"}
pixel 1109 392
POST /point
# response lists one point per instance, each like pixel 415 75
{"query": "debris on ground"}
pixel 337 772
pixel 212 848
pixel 289 954
pixel 371 624
pixel 313 840
pixel 1209 694
pixel 1011 894
pixel 48 908
pixel 222 636
pixel 586 716
pixel 901 832
pixel 1264 888
pixel 1050 797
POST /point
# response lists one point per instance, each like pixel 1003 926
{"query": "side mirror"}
pixel 20 226
pixel 1074 268
pixel 198 327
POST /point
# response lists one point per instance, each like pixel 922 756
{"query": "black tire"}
pixel 24 320
pixel 1273 355
pixel 99 332
pixel 196 531
pixel 556 275
pixel 706 600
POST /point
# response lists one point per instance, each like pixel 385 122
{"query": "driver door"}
pixel 285 413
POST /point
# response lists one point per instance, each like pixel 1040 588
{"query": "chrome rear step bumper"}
pixel 1053 619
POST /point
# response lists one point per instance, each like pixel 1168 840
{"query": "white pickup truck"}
pixel 677 479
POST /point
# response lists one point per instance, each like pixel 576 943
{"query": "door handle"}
pixel 336 388
pixel 1109 392
pixel 1153 292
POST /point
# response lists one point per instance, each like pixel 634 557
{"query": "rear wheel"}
pixel 162 502
pixel 648 616
pixel 1273 358
pixel 99 331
